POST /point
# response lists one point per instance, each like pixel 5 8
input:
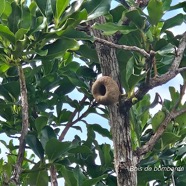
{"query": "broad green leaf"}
pixel 35 145
pixel 145 176
pixel 135 16
pixel 55 149
pixel 158 119
pixel 96 8
pixel 78 35
pixel 111 28
pixel 166 4
pixel 60 7
pixel 70 178
pixel 19 35
pixel 47 133
pixel 83 149
pixel 8 9
pixel 107 158
pixel 26 20
pixel 78 174
pixel 14 17
pixel 129 68
pixel 73 8
pixel 155 10
pixel 4 67
pixel 65 87
pixel 100 130
pixel 169 138
pixel 40 122
pixel 42 5
pixel 38 176
pixel 134 80
pixel 174 21
pixel 72 22
pixel 181 120
pixel 93 181
pixel 13 88
pixel 179 5
pixel 2 7
pixel 168 49
pixel 5 33
pixel 59 47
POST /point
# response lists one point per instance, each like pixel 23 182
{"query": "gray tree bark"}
pixel 119 118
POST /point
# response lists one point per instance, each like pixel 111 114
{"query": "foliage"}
pixel 49 39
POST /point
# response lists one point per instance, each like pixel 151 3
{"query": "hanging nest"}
pixel 105 90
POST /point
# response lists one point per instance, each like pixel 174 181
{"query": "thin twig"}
pixel 71 122
pixel 123 47
pixel 25 125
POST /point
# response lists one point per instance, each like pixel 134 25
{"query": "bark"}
pixel 24 130
pixel 119 119
pixel 53 176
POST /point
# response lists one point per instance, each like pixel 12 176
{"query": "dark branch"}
pixel 160 80
pixel 71 122
pixel 150 144
pixel 25 125
pixel 123 47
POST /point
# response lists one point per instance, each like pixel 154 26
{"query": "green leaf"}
pixel 2 7
pixel 5 33
pixel 93 181
pixel 155 10
pixel 19 35
pixel 47 133
pixel 26 20
pixel 70 178
pixel 60 149
pixel 83 149
pixel 96 8
pixel 174 21
pixel 100 130
pixel 78 174
pixel 157 120
pixel 65 87
pixel 59 47
pixel 14 17
pixel 129 68
pixel 111 28
pixel 12 89
pixel 4 68
pixel 169 138
pixel 42 5
pixel 60 7
pixel 37 176
pixel 78 35
pixel 136 17
pixel 40 122
pixel 35 145
pixel 179 5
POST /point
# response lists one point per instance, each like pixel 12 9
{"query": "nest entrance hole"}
pixel 102 90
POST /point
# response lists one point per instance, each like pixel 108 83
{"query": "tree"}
pixel 50 49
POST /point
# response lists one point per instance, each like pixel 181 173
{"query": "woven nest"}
pixel 105 90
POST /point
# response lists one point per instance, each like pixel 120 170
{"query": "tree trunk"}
pixel 119 118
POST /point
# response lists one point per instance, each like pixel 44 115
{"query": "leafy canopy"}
pixel 49 39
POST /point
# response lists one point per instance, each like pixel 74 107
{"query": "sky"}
pixel 162 90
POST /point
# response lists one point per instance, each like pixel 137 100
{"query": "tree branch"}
pixel 71 122
pixel 123 47
pixel 150 144
pixel 25 125
pixel 160 80
pixel 53 175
